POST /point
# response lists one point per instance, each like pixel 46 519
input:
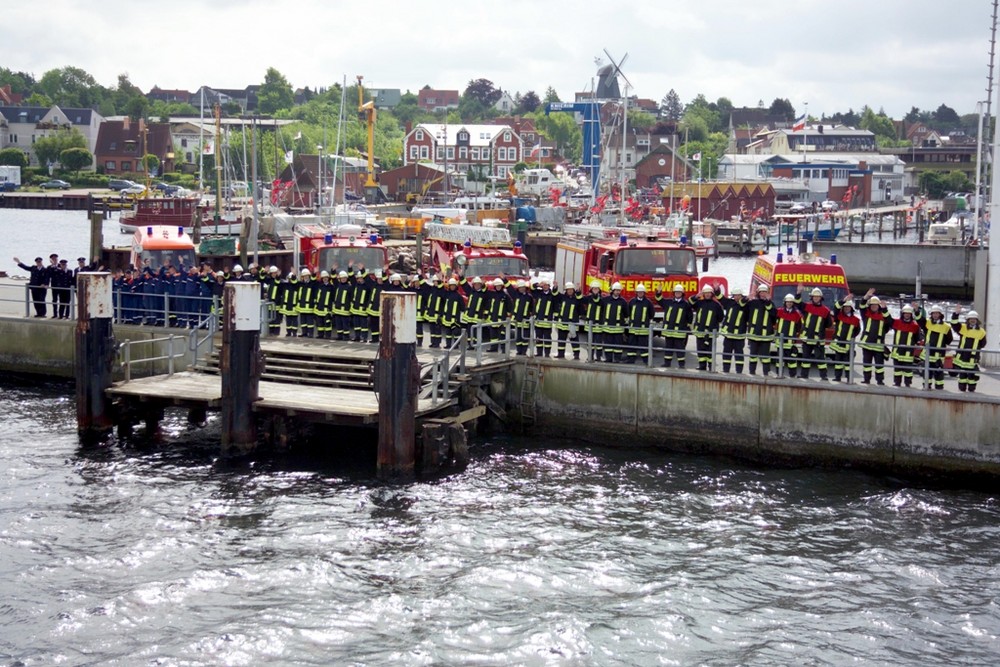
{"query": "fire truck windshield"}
pixel 653 261
pixel 339 258
pixel 176 258
pixel 831 295
pixel 494 266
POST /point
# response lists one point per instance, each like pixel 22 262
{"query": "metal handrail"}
pixel 442 369
pixel 125 354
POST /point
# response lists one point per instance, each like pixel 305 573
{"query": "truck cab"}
pixel 321 248
pixel 159 245
pixel 782 274
pixel 473 251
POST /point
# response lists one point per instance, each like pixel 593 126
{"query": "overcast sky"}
pixel 831 55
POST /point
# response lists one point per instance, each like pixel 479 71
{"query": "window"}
pixel 424 152
pixel 414 152
pixel 502 172
pixel 126 165
pixel 440 152
pixel 475 153
pixel 628 160
pixel 419 136
pixel 184 143
pixel 188 157
pixel 32 139
pixel 110 165
pixel 506 136
pixel 463 136
pixel 113 146
pixel 501 154
pixel 451 152
pixel 463 153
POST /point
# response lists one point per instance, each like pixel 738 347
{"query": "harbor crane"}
pixel 367 114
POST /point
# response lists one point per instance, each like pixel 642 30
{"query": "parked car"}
pixel 829 205
pixel 134 189
pixel 119 184
pixel 55 184
pixel 798 208
pixel 167 189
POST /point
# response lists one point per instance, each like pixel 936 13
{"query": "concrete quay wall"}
pixel 48 347
pixel 770 421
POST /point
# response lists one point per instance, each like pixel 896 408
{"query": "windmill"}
pixel 615 71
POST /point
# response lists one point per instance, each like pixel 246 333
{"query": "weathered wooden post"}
pixel 241 364
pixel 95 354
pixel 96 237
pixel 397 379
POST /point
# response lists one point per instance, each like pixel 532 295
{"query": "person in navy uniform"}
pixel 37 282
pixel 61 282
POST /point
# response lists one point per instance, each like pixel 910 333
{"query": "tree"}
pixel 670 106
pixel 878 124
pixel 76 159
pixel 19 82
pixel 150 163
pixel 483 91
pixel 72 87
pixel 782 107
pixel 562 130
pixel 49 148
pixel 640 120
pixel 14 157
pixel 724 107
pixel 529 102
pixel 275 94
pixel 945 117
pixel 551 95
pixel 913 115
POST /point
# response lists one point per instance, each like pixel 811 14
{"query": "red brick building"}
pixel 430 99
pixel 484 150
pixel 120 146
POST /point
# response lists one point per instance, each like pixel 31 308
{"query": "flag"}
pixel 799 124
pixel 288 157
pixel 536 149
pixel 208 148
pixel 696 156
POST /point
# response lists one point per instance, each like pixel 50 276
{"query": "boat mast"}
pixel 218 167
pixel 201 143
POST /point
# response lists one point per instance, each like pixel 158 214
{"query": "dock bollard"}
pixel 241 364
pixel 397 380
pixel 95 354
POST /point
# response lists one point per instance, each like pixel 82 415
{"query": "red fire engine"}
pixel 474 251
pixel 335 248
pixel 610 256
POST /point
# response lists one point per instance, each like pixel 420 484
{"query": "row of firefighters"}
pixel 754 331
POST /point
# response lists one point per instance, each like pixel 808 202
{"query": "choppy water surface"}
pixel 540 553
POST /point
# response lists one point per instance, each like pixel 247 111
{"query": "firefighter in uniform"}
pixel 289 304
pixel 846 325
pixel 546 309
pixel 433 315
pixel 971 339
pixel 640 317
pixel 523 309
pixel 323 306
pixel 496 309
pixel 343 294
pixel 706 317
pixel 875 324
pixel 375 287
pixel 567 322
pixel 359 306
pixel 937 338
pixel 787 326
pixel 615 321
pixel 593 314
pixel 907 335
pixel 676 324
pixel 425 292
pixel 760 317
pixel 304 304
pixel 815 320
pixel 734 330
pixel 450 307
pixel 273 296
pixel 475 312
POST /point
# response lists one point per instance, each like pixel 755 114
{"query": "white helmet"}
pixel 874 301
pixel 273 269
pixel 707 288
pixel 394 278
pixel 497 282
pixel 972 315
pixel 616 286
pixel 452 281
pixel 816 292
pixel 378 273
pixel 763 288
pixel 475 281
pixel 936 309
pixel 342 274
pixel 595 283
pixel 306 272
pixel 640 288
pixel 848 304
pixel 291 275
pixel 521 283
pixel 789 297
pixel 237 269
pixel 324 274
pixel 678 287
pixel 906 309
pixel 569 285
pixel 736 291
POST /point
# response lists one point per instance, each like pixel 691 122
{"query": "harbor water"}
pixel 540 553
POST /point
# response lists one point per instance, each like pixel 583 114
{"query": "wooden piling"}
pixel 96 235
pixel 397 380
pixel 95 354
pixel 241 364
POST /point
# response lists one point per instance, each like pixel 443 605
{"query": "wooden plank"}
pixel 493 406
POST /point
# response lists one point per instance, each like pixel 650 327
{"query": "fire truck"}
pixel 156 245
pixel 782 274
pixel 474 251
pixel 610 255
pixel 319 248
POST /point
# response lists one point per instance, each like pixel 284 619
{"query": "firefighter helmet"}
pixel 395 278
pixel 306 272
pixel 452 281
pixel 522 283
pixel 936 309
pixel 874 301
pixel 848 304
pixel 736 291
pixel 816 292
pixel 273 269
pixel 569 285
pixel 616 286
pixel 475 281
pixel 707 288
pixel 762 288
pixel 497 282
pixel 595 283
pixel 324 274
pixel 678 287
pixel 906 309
pixel 342 274
pixel 237 269
pixel 789 297
pixel 640 288
pixel 972 315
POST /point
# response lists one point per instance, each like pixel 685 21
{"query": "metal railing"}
pixel 127 358
pixel 441 370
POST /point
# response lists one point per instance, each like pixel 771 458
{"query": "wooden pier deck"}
pixel 314 380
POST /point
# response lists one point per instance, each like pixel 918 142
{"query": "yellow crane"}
pixel 366 113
